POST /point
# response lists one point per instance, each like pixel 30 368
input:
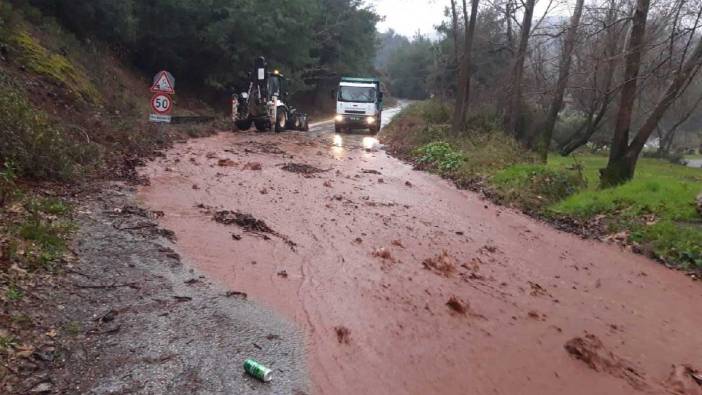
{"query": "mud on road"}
pixel 403 284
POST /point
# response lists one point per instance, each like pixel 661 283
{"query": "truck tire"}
pixel 262 125
pixel 281 120
pixel 242 124
pixel 305 125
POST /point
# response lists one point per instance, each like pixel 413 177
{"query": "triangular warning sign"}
pixel 162 84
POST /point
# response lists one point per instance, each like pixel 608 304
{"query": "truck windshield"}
pixel 358 94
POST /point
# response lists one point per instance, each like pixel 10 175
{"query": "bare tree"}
pixel 600 93
pixel 514 102
pixel 563 75
pixel 620 168
pixel 463 100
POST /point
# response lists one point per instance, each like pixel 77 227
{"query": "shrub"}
pixel 440 155
pixel 8 189
pixel 536 185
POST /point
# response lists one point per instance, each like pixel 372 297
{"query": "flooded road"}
pixel 403 284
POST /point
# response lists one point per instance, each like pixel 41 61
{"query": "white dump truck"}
pixel 359 104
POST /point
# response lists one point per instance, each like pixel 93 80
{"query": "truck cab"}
pixel 359 104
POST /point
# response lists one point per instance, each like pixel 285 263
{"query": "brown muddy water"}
pixel 365 254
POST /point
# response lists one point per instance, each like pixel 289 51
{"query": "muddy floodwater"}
pixel 403 284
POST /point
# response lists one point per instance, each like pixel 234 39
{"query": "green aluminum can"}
pixel 257 370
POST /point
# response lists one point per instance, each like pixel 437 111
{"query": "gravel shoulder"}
pixel 137 319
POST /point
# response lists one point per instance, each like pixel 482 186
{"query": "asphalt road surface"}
pixel 403 284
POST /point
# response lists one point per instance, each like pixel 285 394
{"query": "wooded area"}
pixel 210 45
pixel 614 74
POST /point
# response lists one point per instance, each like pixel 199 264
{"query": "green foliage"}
pixel 8 188
pixel 7 342
pixel 36 148
pixel 408 67
pixel 533 186
pixel 13 294
pixel 54 66
pixel 657 207
pixel 486 150
pixel 73 328
pixel 441 155
pixel 212 43
pixel 46 231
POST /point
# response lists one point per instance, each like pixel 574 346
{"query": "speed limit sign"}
pixel 161 103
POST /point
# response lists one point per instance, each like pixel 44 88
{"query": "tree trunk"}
pixel 461 109
pixel 515 100
pixel 563 75
pixel 454 30
pixel 508 18
pixel 619 169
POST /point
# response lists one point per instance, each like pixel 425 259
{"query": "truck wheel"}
pixel 262 126
pixel 243 124
pixel 281 121
pixel 306 126
pixel 297 125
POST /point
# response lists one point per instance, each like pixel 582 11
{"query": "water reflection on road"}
pixel 354 139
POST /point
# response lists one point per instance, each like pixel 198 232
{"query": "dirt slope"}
pixel 404 284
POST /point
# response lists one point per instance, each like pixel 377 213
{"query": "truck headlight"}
pixel 370 120
pixel 339 118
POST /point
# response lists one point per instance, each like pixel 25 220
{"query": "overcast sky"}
pixel 409 16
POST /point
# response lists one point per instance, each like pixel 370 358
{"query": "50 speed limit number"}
pixel 161 103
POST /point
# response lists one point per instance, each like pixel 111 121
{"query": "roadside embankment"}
pixel 655 214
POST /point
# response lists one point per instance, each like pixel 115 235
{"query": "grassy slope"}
pixel 656 209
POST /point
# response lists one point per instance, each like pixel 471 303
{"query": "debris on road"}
pixel 592 352
pixel 249 223
pixel 343 334
pixel 246 221
pixel 179 298
pixel 258 371
pixel 371 171
pixel 243 295
pixel 264 148
pixel 226 163
pixel 327 184
pixel 458 305
pixel 409 184
pixel 397 243
pixel 236 236
pixel 252 166
pixel 442 264
pixel 383 253
pixel 537 290
pixel 684 380
pixel 283 274
pixel 302 168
